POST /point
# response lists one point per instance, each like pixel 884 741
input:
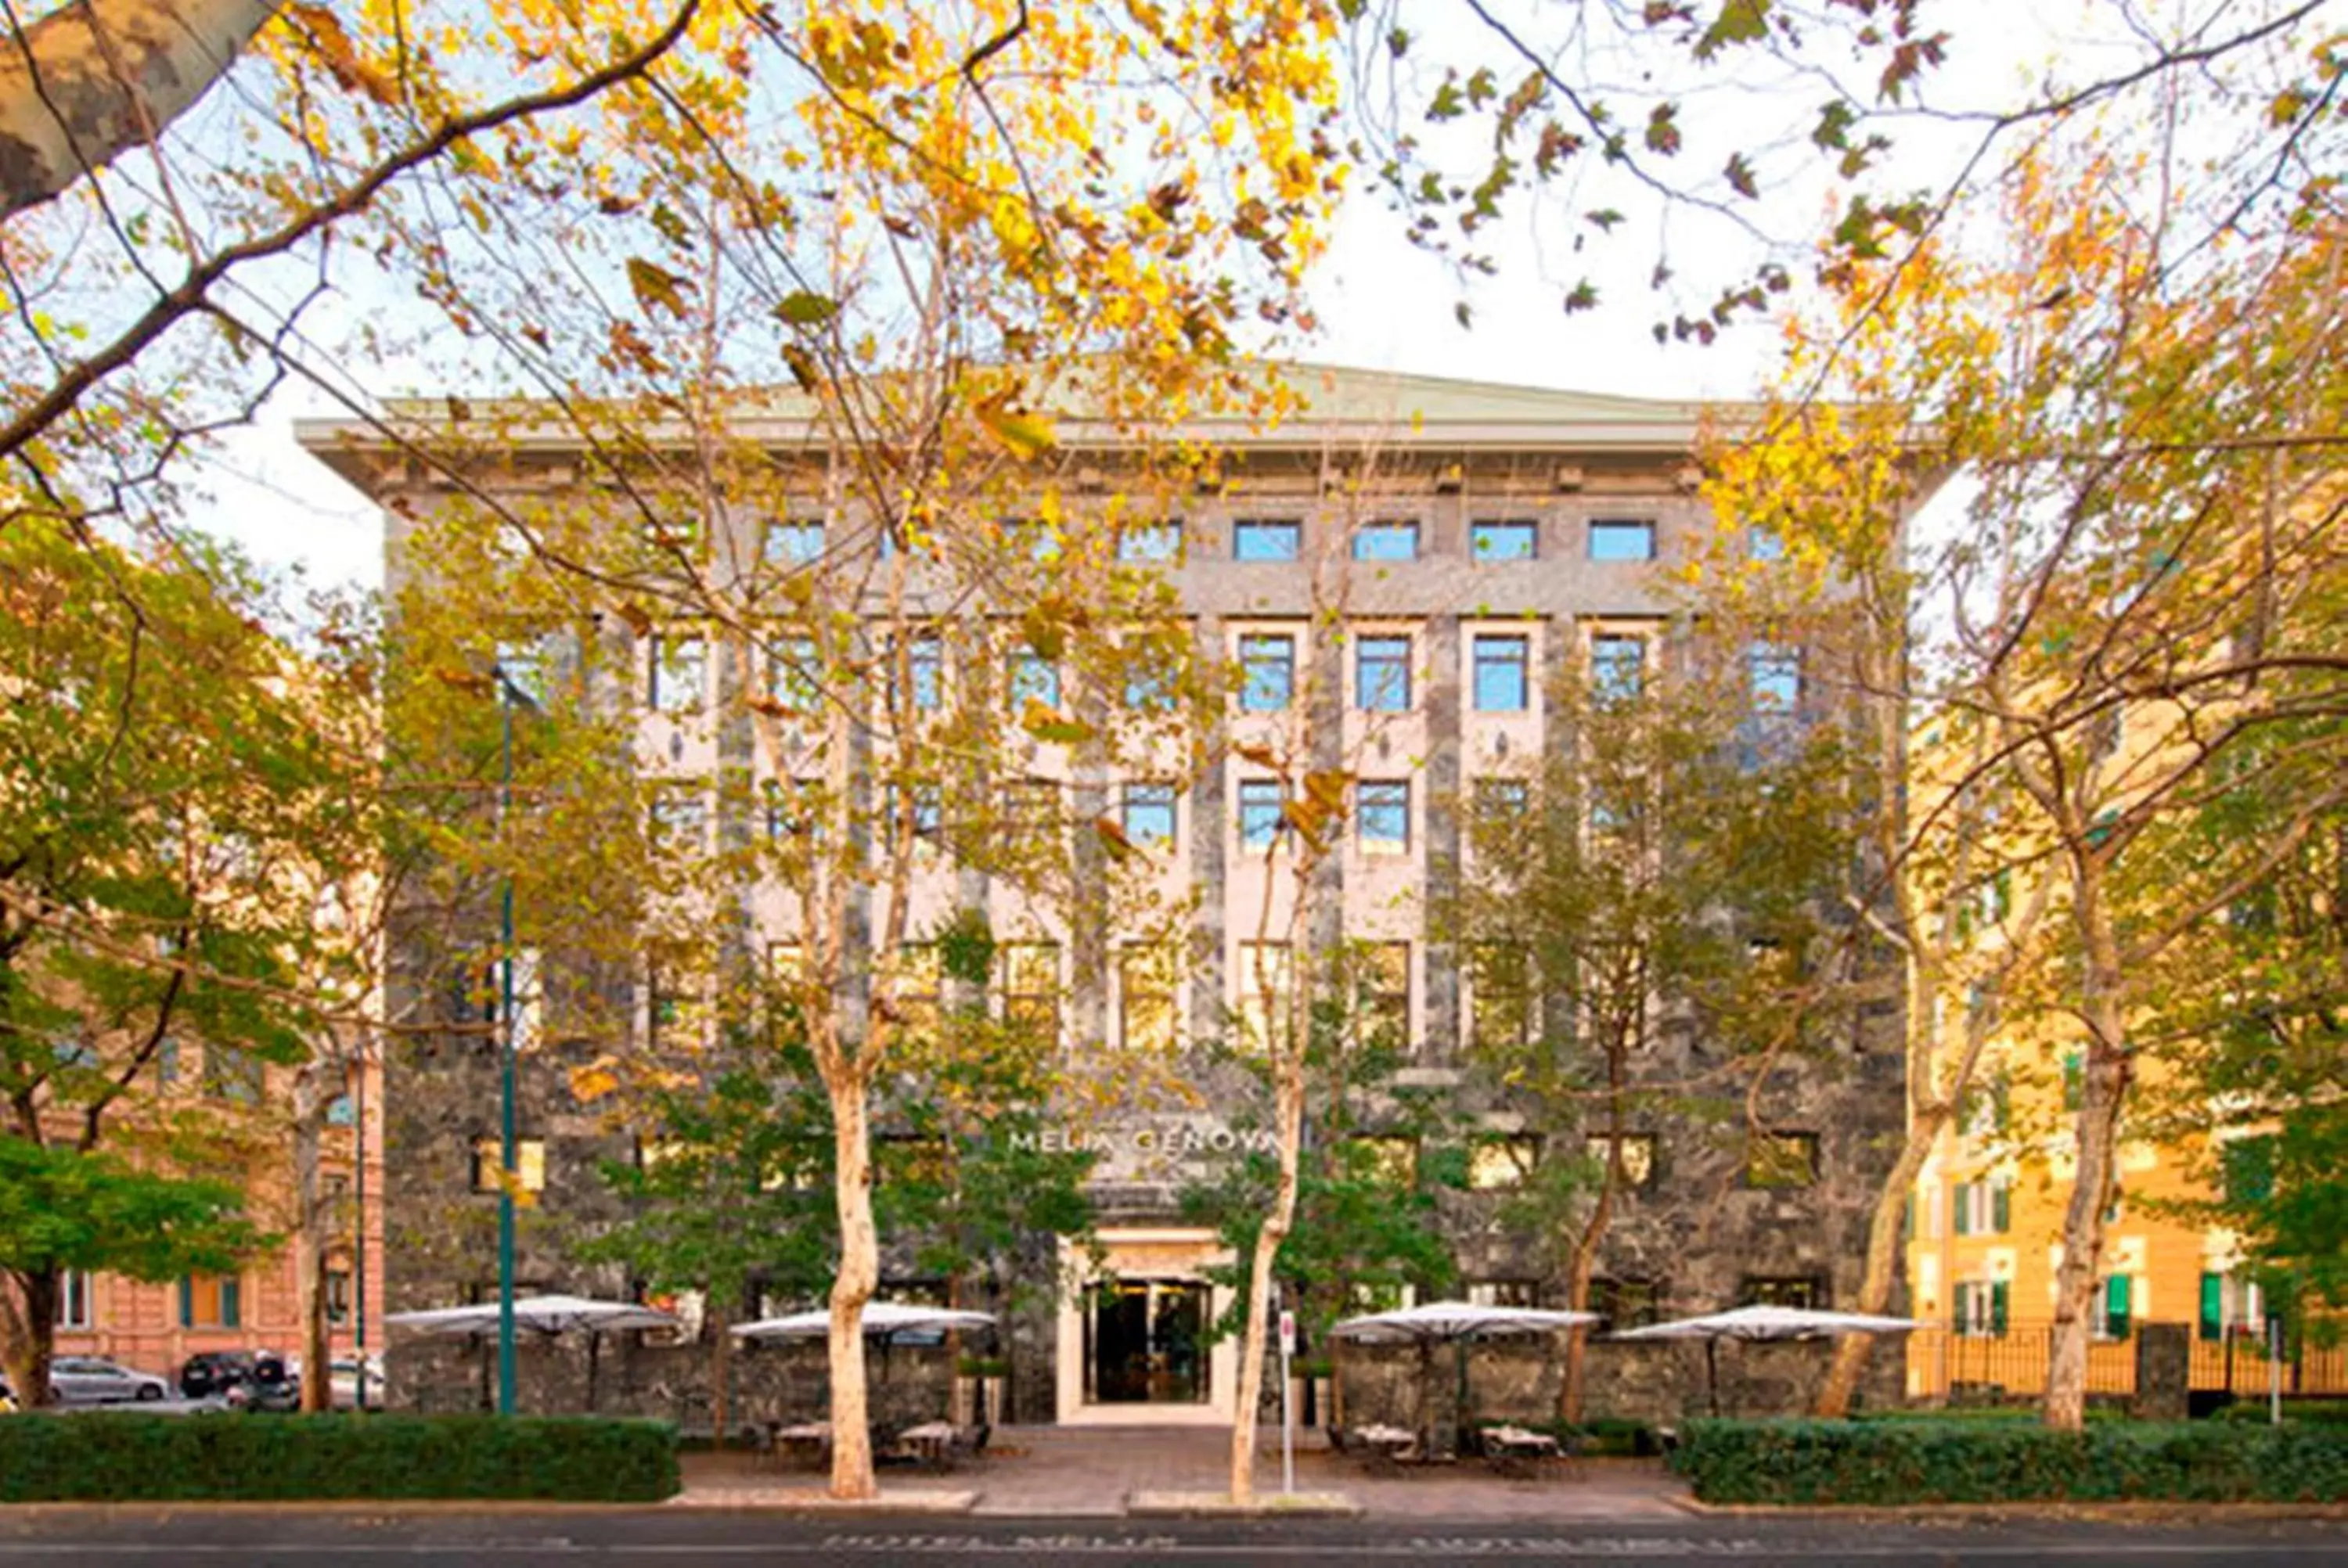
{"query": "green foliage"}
pixel 2314 1413
pixel 63 1209
pixel 122 1456
pixel 1960 1460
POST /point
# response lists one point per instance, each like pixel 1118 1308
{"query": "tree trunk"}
pixel 1289 1115
pixel 860 1272
pixel 28 1319
pixel 714 1316
pixel 310 1245
pixel 1850 1351
pixel 95 79
pixel 1577 1299
pixel 2104 1092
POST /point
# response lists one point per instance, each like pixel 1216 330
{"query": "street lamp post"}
pixel 507 696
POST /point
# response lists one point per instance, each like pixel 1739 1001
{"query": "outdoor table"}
pixel 1513 1449
pixel 1385 1443
pixel 809 1440
pixel 927 1443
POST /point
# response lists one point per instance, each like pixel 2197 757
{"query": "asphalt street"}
pixel 680 1538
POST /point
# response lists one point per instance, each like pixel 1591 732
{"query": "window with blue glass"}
pixel 1156 543
pixel 794 542
pixel 1618 667
pixel 792 678
pixel 678 670
pixel 1266 539
pixel 1621 539
pixel 342 1110
pixel 1776 675
pixel 1262 813
pixel 1502 674
pixel 1267 672
pixel 1033 678
pixel 1764 543
pixel 1393 539
pixel 1148 815
pixel 1381 674
pixel 1503 538
pixel 925 669
pixel 1381 815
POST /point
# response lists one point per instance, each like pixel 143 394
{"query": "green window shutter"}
pixel 1963 1216
pixel 230 1289
pixel 1997 1306
pixel 186 1301
pixel 2115 1306
pixel 2001 1208
pixel 2213 1306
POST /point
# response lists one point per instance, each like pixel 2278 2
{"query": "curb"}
pixel 817 1502
pixel 2119 1511
pixel 1219 1505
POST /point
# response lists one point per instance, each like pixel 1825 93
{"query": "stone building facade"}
pixel 1459 546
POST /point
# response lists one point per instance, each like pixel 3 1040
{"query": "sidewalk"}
pixel 1087 1472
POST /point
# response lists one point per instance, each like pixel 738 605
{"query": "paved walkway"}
pixel 1089 1471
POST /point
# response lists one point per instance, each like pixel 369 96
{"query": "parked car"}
pixel 247 1379
pixel 95 1380
pixel 343 1382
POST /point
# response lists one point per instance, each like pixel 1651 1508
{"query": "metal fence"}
pixel 1962 1367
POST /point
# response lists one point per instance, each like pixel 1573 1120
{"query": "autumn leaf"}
pixel 1259 755
pixel 1740 176
pixel 1053 730
pixel 1113 839
pixel 1739 22
pixel 634 614
pixel 594 1081
pixel 656 285
pixel 1025 435
pixel 1664 130
pixel 341 57
pixel 805 310
pixel 802 367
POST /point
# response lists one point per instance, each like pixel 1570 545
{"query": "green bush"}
pixel 2316 1412
pixel 1972 1461
pixel 124 1456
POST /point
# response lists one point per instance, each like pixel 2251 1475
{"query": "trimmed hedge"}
pixel 123 1456
pixel 1958 1461
pixel 2248 1408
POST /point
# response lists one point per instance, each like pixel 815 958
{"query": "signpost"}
pixel 1287 1415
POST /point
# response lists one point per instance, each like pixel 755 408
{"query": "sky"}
pixel 1382 304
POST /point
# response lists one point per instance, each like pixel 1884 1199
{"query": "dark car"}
pixel 250 1379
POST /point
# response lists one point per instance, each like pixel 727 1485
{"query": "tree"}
pixel 164 789
pixel 1678 866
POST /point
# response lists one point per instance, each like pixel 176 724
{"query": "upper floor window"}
pixel 1382 994
pixel 1267 672
pixel 1263 810
pixel 1032 678
pixel 1381 815
pixel 1638 1150
pixel 1983 1208
pixel 1496 801
pixel 1621 539
pixel 1764 543
pixel 1381 674
pixel 1028 975
pixel 792 543
pixel 1512 539
pixel 1148 813
pixel 1776 676
pixel 1618 667
pixel 75 1307
pixel 1395 539
pixel 1146 994
pixel 679 672
pixel 1497 1164
pixel 1266 539
pixel 1156 543
pixel 1804 1291
pixel 1502 674
pixel 1782 1160
pixel 489 1160
pixel 793 677
pixel 211 1301
pixel 925 671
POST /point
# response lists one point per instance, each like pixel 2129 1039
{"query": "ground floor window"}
pixel 337 1294
pixel 1505 1292
pixel 1146 1342
pixel 74 1307
pixel 211 1301
pixel 1981 1307
pixel 1626 1303
pixel 1807 1291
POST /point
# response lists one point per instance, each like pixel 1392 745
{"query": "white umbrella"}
pixel 1435 1323
pixel 547 1315
pixel 883 1320
pixel 1764 1322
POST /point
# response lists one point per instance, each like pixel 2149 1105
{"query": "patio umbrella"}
pixel 885 1321
pixel 1434 1323
pixel 1763 1322
pixel 547 1315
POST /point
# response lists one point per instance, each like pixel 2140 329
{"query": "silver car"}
pixel 95 1380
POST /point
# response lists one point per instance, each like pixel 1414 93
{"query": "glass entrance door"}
pixel 1145 1343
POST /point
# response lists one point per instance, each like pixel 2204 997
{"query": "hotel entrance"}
pixel 1145 1343
pixel 1137 1343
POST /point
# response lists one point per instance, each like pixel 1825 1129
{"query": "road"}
pixel 676 1539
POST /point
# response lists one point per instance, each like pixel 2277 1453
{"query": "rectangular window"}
pixel 1804 1291
pixel 2247 1167
pixel 1516 538
pixel 1501 675
pixel 1782 1160
pixel 1776 676
pixel 1621 539
pixel 2114 1305
pixel 212 1301
pixel 1028 974
pixel 1638 1157
pixel 1500 801
pixel 342 1110
pixel 1158 544
pixel 1030 810
pixel 1499 995
pixel 1266 539
pixel 2210 1323
pixel 1501 1164
pixel 1381 674
pixel 915 977
pixel 1391 540
pixel 1983 1208
pixel 795 674
pixel 530 1164
pixel 74 1307
pixel 917 808
pixel 1262 813
pixel 1381 815
pixel 666 989
pixel 1145 1017
pixel 794 806
pixel 1267 672
pixel 1764 543
pixel 337 1295
pixel 1981 1308
pixel 1392 1159
pixel 1029 677
pixel 793 543
pixel 1618 667
pixel 1382 994
pixel 925 673
pixel 1626 1303
pixel 679 818
pixel 679 672
pixel 521 669
pixel 1504 1293
pixel 1266 971
pixel 231 1075
pixel 1148 813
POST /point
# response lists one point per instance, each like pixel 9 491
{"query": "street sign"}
pixel 1288 1333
